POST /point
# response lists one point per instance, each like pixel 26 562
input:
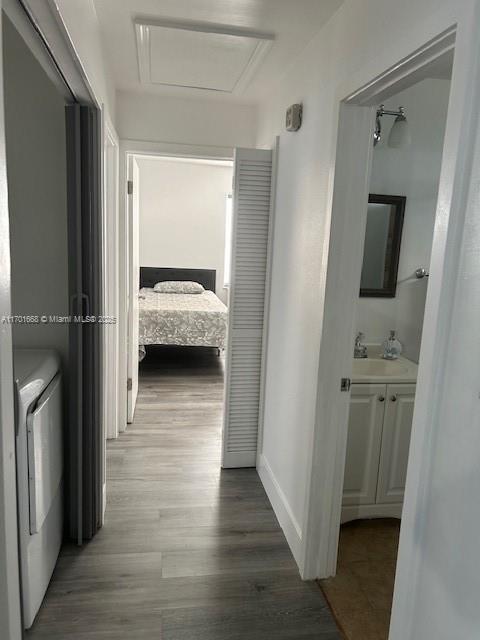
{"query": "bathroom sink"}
pixel 376 369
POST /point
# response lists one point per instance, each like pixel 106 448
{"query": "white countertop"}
pixel 375 369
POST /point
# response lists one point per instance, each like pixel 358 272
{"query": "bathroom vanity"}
pixel 380 422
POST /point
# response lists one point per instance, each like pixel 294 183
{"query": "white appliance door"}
pixel 45 453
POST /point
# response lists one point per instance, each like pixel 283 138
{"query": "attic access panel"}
pixel 198 55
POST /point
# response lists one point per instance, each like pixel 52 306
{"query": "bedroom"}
pixel 184 240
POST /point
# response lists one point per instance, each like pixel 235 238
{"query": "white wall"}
pixel 148 117
pixel 413 172
pixel 37 183
pixel 355 46
pixel 182 214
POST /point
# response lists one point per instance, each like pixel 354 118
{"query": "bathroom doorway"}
pixel 450 284
pixel 407 153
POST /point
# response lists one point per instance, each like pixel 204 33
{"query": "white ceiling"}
pixel 292 23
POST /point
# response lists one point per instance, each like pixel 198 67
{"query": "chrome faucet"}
pixel 360 350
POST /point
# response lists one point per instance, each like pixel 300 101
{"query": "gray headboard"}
pixel 149 276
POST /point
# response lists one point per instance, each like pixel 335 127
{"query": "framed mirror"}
pixel 383 236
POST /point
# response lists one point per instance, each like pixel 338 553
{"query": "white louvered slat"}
pixel 251 224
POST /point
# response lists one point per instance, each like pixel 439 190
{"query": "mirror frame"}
pixel 389 289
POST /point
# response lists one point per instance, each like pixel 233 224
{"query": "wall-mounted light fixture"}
pixel 399 136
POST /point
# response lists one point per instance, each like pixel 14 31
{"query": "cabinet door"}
pixel 395 442
pixel 367 406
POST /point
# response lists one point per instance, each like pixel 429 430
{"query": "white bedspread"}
pixel 182 319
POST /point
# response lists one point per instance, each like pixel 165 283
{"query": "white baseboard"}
pixel 282 509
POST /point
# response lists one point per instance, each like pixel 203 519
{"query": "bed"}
pixel 181 319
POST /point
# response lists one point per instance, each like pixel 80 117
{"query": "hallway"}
pixel 188 552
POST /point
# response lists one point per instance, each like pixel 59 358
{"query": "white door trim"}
pixel 133 284
pixel 110 279
pixel 352 177
pixel 177 150
pixel 266 317
pixel 329 441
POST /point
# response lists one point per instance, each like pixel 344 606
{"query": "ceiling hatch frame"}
pixel 261 44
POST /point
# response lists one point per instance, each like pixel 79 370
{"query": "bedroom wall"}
pixel 413 172
pixel 182 214
pixel 149 117
pixel 357 44
pixel 36 173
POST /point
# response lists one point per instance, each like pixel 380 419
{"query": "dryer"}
pixel 39 431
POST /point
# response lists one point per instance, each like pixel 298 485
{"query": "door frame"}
pixel 110 293
pixel 260 461
pixel 356 100
pixel 129 149
pixel 133 217
pixel 111 276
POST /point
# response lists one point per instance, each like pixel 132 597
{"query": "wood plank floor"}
pixel 188 552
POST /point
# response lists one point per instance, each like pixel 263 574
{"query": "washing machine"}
pixel 39 431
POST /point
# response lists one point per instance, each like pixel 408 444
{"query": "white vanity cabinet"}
pixel 379 430
pixel 367 408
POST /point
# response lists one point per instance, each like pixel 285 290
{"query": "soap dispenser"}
pixel 391 348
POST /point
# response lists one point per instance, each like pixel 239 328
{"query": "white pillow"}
pixel 178 286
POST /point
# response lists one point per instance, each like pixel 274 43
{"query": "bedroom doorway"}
pixel 179 253
pixel 186 230
pixel 179 212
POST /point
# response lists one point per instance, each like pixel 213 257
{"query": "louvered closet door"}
pixel 251 224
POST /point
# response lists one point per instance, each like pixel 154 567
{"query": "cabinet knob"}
pixel 393 398
pixel 381 398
